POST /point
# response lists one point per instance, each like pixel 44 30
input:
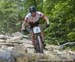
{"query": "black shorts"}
pixel 33 24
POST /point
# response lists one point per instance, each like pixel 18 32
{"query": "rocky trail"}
pixel 18 48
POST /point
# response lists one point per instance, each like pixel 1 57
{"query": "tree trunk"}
pixel 35 4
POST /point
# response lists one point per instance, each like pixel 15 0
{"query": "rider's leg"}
pixel 42 35
pixel 33 40
pixel 32 36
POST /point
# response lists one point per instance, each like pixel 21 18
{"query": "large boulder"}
pixel 52 47
pixel 31 57
pixel 26 41
pixel 4 37
pixel 2 41
pixel 14 39
pixel 20 49
pixel 17 34
pixel 6 56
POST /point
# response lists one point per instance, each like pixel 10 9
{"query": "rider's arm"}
pixel 24 23
pixel 23 27
pixel 45 18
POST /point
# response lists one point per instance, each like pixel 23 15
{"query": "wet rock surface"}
pixel 16 48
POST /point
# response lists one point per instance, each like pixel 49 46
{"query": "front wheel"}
pixel 38 44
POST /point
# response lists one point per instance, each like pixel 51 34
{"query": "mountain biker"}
pixel 32 19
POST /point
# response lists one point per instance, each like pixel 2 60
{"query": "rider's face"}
pixel 33 14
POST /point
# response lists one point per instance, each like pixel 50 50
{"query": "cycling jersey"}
pixel 33 21
pixel 29 17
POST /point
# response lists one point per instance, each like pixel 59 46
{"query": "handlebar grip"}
pixel 24 30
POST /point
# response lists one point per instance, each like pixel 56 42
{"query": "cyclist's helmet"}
pixel 32 9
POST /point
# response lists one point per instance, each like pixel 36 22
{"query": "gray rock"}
pixel 6 56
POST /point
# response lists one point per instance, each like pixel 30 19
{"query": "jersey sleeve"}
pixel 26 18
pixel 41 14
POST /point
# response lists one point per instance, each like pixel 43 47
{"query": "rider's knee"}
pixel 32 34
pixel 42 33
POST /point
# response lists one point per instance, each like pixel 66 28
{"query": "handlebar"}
pixel 27 30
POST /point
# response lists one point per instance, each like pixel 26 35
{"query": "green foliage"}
pixel 62 20
pixel 71 36
pixel 8 15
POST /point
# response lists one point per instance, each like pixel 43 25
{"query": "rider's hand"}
pixel 22 28
pixel 47 25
